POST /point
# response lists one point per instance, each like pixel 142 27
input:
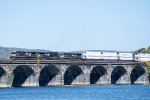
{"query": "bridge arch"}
pixel 47 74
pixel 2 72
pixel 96 73
pixel 21 73
pixel 117 72
pixel 136 73
pixel 71 74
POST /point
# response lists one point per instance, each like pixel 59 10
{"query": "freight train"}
pixel 83 55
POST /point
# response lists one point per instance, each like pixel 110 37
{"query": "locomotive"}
pixel 27 55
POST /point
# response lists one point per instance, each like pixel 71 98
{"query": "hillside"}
pixel 6 51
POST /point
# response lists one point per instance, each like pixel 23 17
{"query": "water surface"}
pixel 110 92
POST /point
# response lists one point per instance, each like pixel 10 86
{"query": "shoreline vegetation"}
pixel 145 50
pixel 148 68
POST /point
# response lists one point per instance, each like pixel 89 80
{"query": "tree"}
pixel 148 48
pixel 143 50
pixel 140 50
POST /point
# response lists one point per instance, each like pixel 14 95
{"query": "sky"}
pixel 70 25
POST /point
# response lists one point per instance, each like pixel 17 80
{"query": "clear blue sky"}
pixel 68 25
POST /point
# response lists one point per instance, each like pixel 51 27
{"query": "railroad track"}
pixel 68 61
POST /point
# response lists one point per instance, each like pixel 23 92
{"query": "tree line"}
pixel 143 50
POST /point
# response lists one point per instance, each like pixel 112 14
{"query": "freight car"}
pixel 142 57
pixel 107 55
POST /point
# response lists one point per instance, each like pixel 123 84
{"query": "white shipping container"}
pixel 114 54
pixel 128 55
pixel 99 55
pixel 143 57
pixel 92 53
pixel 126 58
pixel 108 57
pixel 92 57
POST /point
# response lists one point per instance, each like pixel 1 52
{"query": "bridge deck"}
pixel 71 61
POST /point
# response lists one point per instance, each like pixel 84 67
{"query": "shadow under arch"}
pixel 96 73
pixel 136 73
pixel 117 73
pixel 47 74
pixel 2 72
pixel 21 73
pixel 71 73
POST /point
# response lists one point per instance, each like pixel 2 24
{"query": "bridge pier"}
pixel 33 80
pixel 59 78
pixel 82 79
pixel 101 78
pixel 143 79
pixel 125 79
pixel 7 78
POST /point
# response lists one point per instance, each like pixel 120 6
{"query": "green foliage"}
pixel 148 66
pixel 143 50
pixel 38 61
pixel 148 48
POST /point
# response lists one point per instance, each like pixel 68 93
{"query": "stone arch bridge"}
pixel 76 73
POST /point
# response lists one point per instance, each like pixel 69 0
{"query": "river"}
pixel 109 92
